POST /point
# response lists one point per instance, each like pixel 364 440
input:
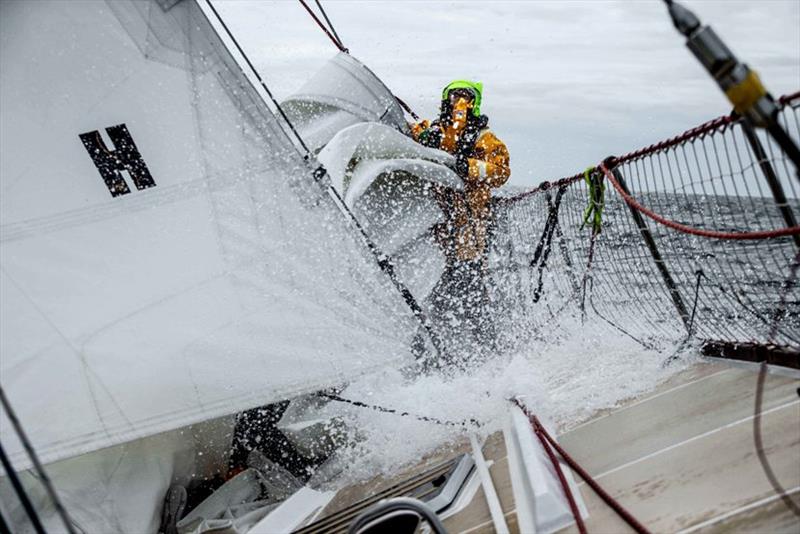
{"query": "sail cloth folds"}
pixel 165 256
pixel 342 93
pixel 391 183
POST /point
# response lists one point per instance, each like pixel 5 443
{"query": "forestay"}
pixel 177 268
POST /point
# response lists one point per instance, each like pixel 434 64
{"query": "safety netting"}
pixel 694 237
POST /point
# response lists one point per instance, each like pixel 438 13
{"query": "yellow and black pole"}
pixel 740 84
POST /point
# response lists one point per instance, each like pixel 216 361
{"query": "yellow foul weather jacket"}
pixel 488 167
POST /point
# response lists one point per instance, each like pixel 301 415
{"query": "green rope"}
pixel 597 191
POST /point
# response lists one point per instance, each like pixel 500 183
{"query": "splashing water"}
pixel 565 379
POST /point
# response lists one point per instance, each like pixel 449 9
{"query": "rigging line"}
pixel 715 234
pixel 406 107
pixel 700 275
pixel 759 444
pixel 644 344
pixel 587 274
pixel 333 39
pixel 596 190
pixel 385 264
pixel 383 261
pixel 258 77
pixel 544 246
pixel 464 423
pixel 562 245
pixel 759 397
pixel 573 505
pixel 690 329
pixel 4 528
pixel 330 24
pixel 38 468
pixel 22 495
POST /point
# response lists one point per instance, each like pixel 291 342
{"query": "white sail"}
pixel 389 181
pixel 342 93
pixel 220 279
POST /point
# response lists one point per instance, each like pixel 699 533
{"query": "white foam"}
pixel 577 371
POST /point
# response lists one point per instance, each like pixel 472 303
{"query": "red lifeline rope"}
pixel 544 186
pixel 547 440
pixel 767 234
pixel 688 135
pixel 573 505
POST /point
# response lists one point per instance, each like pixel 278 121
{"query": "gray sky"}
pixel 566 82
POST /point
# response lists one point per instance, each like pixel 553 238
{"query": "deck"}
pixel 681 458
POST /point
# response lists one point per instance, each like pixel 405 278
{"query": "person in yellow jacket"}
pixel 482 162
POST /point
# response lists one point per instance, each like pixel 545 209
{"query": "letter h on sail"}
pixel 124 157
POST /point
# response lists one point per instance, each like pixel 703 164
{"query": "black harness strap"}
pixel 544 246
pixel 432 136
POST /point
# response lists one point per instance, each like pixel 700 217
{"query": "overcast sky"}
pixel 566 82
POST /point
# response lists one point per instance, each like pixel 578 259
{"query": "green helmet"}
pixel 475 87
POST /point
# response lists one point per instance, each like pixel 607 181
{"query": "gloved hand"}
pixel 459 165
pixel 462 166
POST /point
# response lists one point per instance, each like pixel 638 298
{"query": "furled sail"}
pixel 342 93
pixel 390 183
pixel 165 254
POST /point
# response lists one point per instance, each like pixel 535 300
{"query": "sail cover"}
pixel 165 255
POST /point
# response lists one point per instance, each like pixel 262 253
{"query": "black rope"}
pixel 330 25
pixel 330 31
pixel 759 444
pixel 544 246
pixel 644 344
pixel 690 329
pixel 772 323
pixel 596 200
pixel 387 267
pixel 20 491
pixel 587 281
pixel 319 173
pixel 406 107
pixel 700 275
pixel 37 466
pixel 562 245
pixel 258 77
pixel 383 409
pixel 759 397
pixel 333 39
pixel 4 528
